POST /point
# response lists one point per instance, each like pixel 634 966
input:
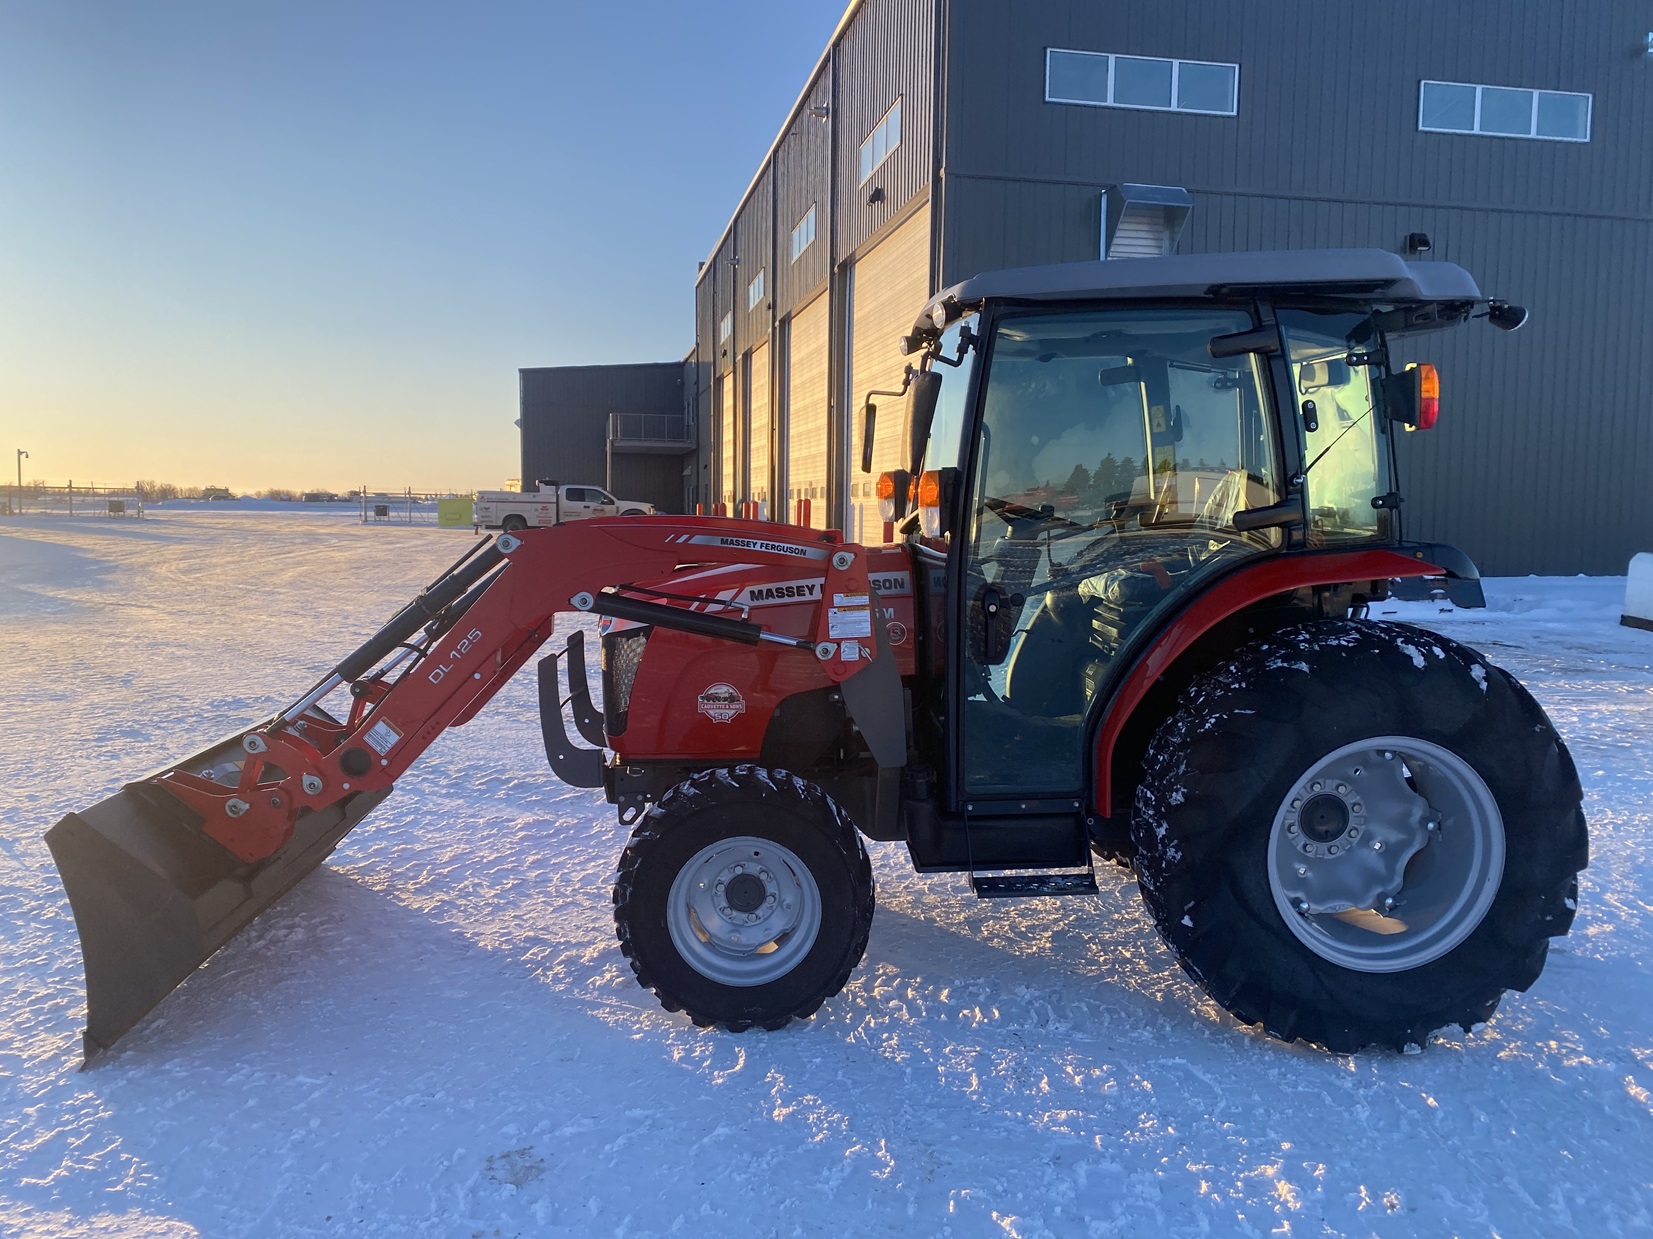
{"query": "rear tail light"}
pixel 893 490
pixel 1429 396
pixel 929 503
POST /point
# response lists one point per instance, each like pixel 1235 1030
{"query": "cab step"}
pixel 1031 885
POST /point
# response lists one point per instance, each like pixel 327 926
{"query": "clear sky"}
pixel 308 243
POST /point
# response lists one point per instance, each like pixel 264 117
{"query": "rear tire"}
pixel 634 512
pixel 744 897
pixel 513 524
pixel 1268 872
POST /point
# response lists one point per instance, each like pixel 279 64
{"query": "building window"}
pixel 1098 79
pixel 754 292
pixel 803 236
pixel 881 142
pixel 726 328
pixel 1504 111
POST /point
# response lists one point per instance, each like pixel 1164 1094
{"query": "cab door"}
pixel 1109 457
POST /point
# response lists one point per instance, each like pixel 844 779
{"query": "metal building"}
pixel 940 138
pixel 622 427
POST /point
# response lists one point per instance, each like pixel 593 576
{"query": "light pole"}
pixel 17 495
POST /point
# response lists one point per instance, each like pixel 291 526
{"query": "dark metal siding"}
pixel 1545 440
pixel 803 178
pixel 754 247
pixel 887 52
pixel 564 412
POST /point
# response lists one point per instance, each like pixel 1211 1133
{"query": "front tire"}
pixel 1355 834
pixel 744 897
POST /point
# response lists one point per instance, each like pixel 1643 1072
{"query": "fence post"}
pixel 71 496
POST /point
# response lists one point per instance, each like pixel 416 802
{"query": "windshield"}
pixel 1114 419
pixel 1332 367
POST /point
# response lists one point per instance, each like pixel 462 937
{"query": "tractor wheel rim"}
pixel 1386 854
pixel 744 911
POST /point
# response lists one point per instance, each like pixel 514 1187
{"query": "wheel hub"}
pixel 744 911
pixel 1386 854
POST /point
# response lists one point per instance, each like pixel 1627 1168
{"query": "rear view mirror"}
pixel 926 391
pixel 1115 376
pixel 869 423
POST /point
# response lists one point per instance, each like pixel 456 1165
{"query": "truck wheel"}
pixel 1355 834
pixel 513 524
pixel 744 897
pixel 634 512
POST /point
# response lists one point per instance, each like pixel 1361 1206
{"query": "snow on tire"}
pixel 744 897
pixel 1358 833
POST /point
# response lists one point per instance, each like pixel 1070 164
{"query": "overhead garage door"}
pixel 728 461
pixel 757 388
pixel 806 413
pixel 890 286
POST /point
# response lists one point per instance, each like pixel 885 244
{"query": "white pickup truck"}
pixel 550 504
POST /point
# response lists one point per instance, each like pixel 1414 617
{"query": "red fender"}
pixel 1227 597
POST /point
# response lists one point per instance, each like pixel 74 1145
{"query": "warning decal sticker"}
pixel 382 737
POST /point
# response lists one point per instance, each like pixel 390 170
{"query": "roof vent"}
pixel 1143 221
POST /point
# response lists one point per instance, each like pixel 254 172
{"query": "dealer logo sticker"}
pixel 722 703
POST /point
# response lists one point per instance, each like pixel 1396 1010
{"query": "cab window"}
pixel 1333 375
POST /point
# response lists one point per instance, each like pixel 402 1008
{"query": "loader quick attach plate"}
pixel 154 898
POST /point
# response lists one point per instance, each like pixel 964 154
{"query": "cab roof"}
pixel 1365 275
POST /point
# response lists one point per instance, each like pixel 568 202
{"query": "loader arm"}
pixel 164 872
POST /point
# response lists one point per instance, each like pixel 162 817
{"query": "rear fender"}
pixel 1125 712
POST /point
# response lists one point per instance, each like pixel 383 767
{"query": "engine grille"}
pixel 622 652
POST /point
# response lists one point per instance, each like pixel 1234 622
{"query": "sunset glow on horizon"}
pixel 309 246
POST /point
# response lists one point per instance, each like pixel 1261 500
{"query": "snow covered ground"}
pixel 437 1035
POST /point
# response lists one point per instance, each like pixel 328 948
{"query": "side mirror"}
pixel 926 391
pixel 869 423
pixel 1504 316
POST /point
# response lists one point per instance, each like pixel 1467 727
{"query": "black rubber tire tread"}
pixel 744 800
pixel 513 524
pixel 1219 768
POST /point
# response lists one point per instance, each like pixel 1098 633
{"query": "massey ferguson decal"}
pixel 778 592
pixel 757 544
pixel 722 703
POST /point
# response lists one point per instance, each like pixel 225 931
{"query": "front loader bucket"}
pixel 153 897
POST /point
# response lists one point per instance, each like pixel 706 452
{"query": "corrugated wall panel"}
pixel 1328 99
pixel 803 179
pixel 759 428
pixel 887 53
pixel 564 412
pixel 891 284
pixel 754 248
pixel 728 442
pixel 806 410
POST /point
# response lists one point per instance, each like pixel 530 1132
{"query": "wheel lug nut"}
pixel 740 868
pixel 751 918
pixel 1332 851
pixel 1316 786
pixel 1297 802
pixel 1309 848
pixel 1291 828
pixel 1354 832
pixel 1341 788
pixel 1357 807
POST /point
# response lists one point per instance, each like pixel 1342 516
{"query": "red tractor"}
pixel 1150 503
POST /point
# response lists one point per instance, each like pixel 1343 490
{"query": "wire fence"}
pixel 72 500
pixel 384 505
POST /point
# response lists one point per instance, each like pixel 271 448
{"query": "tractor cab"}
pixel 1095 446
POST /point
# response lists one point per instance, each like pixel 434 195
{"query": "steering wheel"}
pixel 1010 513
